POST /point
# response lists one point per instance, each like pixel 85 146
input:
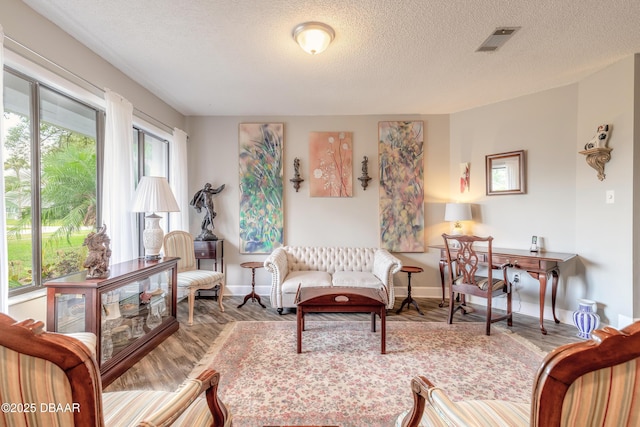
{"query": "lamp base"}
pixel 152 236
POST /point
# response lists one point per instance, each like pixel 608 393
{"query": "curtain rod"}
pixel 86 84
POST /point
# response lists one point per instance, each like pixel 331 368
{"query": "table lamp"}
pixel 456 212
pixel 153 195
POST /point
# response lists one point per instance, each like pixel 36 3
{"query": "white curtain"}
pixel 4 264
pixel 178 178
pixel 118 180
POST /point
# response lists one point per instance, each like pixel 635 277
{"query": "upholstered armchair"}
pixel 590 383
pixel 190 278
pixel 50 379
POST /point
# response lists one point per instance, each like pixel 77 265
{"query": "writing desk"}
pixel 537 264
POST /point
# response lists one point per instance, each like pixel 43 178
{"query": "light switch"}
pixel 610 196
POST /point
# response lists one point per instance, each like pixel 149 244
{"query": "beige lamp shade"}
pixel 455 213
pixel 153 195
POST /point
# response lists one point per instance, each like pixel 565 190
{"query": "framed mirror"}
pixel 506 173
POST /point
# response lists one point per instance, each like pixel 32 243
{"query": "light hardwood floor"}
pixel 165 367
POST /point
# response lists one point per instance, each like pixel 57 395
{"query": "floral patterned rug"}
pixel 340 378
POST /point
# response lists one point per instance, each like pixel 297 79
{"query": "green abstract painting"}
pixel 261 216
pixel 401 160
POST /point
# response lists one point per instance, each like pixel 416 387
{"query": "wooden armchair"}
pixel 463 262
pixel 180 244
pixel 590 383
pixel 51 379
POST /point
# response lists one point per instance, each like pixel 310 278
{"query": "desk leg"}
pixel 542 280
pixel 441 265
pixel 554 288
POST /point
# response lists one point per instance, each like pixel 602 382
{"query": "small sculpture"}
pixel 97 261
pixel 600 139
pixel 204 199
pixel 597 152
pixel 365 178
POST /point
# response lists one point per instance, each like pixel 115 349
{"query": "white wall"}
pixel 213 157
pixel 544 125
pixel 604 232
pixel 565 201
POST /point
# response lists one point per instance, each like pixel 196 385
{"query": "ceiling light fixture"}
pixel 313 37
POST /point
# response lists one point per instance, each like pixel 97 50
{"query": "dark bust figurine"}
pixel 204 199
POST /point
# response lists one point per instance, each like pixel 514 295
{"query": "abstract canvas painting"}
pixel 401 162
pixel 261 216
pixel 331 163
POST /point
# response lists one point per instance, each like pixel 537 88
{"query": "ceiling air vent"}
pixel 497 39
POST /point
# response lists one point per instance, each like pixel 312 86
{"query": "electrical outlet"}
pixel 516 278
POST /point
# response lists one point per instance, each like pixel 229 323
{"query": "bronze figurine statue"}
pixel 204 199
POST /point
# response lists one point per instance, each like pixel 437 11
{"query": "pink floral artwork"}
pixel 330 164
pixel 464 177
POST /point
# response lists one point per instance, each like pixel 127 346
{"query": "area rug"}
pixel 341 379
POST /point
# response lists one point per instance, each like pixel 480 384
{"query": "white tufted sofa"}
pixel 291 266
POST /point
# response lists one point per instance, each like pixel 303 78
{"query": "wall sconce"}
pixel 365 178
pixel 296 176
pixel 313 37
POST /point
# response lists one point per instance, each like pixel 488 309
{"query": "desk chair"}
pixel 463 263
pixel 589 383
pixel 40 369
pixel 180 244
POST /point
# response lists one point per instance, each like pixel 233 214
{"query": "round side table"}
pixel 409 300
pixel 253 296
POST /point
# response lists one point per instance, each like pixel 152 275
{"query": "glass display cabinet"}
pixel 131 311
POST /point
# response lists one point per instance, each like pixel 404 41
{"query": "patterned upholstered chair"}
pixel 463 263
pixel 190 278
pixel 590 383
pixel 51 379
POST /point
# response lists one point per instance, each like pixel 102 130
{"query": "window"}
pixel 51 158
pixel 150 158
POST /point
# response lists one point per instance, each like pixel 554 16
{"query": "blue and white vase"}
pixel 585 318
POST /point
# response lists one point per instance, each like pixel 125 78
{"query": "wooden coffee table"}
pixel 342 300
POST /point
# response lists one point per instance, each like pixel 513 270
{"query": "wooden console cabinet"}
pixel 131 311
pixel 210 249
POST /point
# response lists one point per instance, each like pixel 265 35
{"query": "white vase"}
pixel 585 318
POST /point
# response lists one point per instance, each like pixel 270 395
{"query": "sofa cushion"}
pixel 357 279
pixel 305 279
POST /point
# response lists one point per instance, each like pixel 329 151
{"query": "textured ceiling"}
pixel 237 57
